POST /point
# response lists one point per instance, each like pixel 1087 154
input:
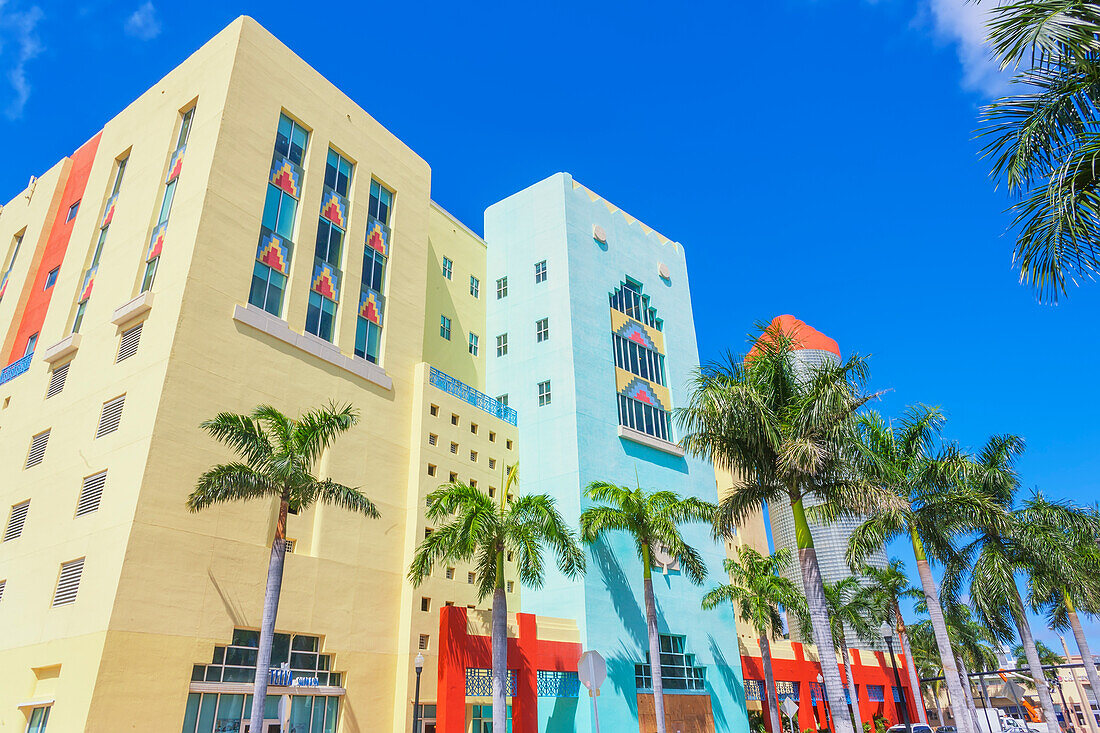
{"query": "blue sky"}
pixel 815 157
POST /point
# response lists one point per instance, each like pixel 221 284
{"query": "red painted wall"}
pixel 459 651
pixel 53 251
pixel 868 668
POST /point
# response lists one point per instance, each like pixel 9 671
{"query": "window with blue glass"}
pixel 331 227
pixel 88 279
pixel 10 263
pixel 276 247
pixel 639 350
pixel 37 719
pixel 51 278
pixel 629 299
pixel 482 719
pixel 156 240
pixel 679 673
pixel 376 250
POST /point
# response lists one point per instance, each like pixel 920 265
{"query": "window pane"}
pixel 271 207
pixel 287 207
pixel 166 203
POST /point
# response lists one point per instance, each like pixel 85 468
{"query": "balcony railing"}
pixel 466 393
pixel 13 370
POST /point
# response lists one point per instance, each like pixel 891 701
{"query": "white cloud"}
pixel 19 44
pixel 962 24
pixel 143 22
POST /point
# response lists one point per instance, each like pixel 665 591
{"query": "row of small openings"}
pixel 433 410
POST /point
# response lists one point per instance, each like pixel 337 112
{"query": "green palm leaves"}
pixel 758 591
pixel 1043 141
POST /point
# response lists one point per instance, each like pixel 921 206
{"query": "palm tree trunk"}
pixel 963 722
pixel 500 649
pixel 939 708
pixel 769 680
pixel 964 677
pixel 267 623
pixel 910 667
pixel 654 645
pixel 1086 657
pixel 858 721
pixel 819 617
pixel 1033 663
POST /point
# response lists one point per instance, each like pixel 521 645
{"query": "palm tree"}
pixel 1047 656
pixel 933 504
pixel 652 519
pixel 785 426
pixel 973 643
pixel 477 529
pixel 1069 580
pixel 850 605
pixel 277 454
pixel 1043 141
pixel 998 551
pixel 759 592
pixel 889 585
pixel 926 659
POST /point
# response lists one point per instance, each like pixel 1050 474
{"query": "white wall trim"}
pixel 646 439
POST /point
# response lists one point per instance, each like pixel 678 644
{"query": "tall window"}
pixel 448 267
pixel 542 330
pixel 640 351
pixel 678 669
pixel 540 272
pixel 376 250
pixel 101 239
pixel 10 263
pixel 284 189
pixel 445 327
pixel 544 393
pixel 502 287
pixel 502 344
pixel 473 343
pixel 327 275
pixel 475 286
pixel 156 242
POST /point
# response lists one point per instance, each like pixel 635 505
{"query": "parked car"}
pixel 917 728
pixel 947 729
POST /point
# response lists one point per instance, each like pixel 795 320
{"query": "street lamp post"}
pixel 824 699
pixel 1056 682
pixel 419 664
pixel 887 632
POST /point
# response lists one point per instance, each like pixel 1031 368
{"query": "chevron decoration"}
pixel 634 331
pixel 378 236
pixel 639 390
pixel 334 207
pixel 285 176
pixel 274 251
pixel 89 281
pixel 175 165
pixel 369 307
pixel 156 242
pixel 108 212
pixel 326 281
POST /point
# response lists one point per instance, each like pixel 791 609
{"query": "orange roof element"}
pixel 803 336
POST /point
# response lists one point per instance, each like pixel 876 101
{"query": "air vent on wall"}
pixel 128 345
pixel 57 380
pixel 111 416
pixel 68 582
pixel 16 521
pixel 38 449
pixel 90 493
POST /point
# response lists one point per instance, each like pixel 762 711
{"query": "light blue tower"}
pixel 579 286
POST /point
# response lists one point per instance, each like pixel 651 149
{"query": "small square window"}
pixel 540 272
pixel 454 448
pixel 502 287
pixel 492 437
pixel 510 556
pixel 431 469
pixel 448 603
pixel 425 604
pixel 72 212
pixel 544 393
pixel 542 330
pixel 448 267
pixel 492 491
pixel 510 586
pixel 473 343
pixel 450 573
pixel 473 428
pixel 473 456
pixel 492 463
pixel 445 327
pixel 427 532
pixel 423 641
pixel 432 438
pixel 503 399
pixel 473 483
pixel 502 344
pixel 453 477
pixel 454 419
pixel 475 286
pixel 51 278
pixel 470 578
pixel 508 444
pixel 434 410
pixel 470 606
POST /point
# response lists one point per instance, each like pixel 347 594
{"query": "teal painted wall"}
pixel 574 439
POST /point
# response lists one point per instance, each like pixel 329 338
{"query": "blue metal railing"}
pixel 13 370
pixel 465 392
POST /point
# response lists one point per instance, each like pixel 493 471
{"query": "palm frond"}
pixel 230 482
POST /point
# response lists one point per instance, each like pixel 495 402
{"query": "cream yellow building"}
pixel 132 316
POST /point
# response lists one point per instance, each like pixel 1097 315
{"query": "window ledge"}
pixel 263 321
pixel 131 310
pixel 62 348
pixel 645 439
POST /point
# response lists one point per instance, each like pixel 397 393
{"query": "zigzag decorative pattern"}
pixel 156 242
pixel 378 236
pixel 370 306
pixel 108 211
pixel 89 281
pixel 334 208
pixel 285 176
pixel 639 389
pixel 633 331
pixel 326 282
pixel 176 165
pixel 274 251
pixel 615 209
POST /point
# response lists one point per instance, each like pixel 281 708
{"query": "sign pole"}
pixel 592 671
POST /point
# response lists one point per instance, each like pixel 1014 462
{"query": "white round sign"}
pixel 592 670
